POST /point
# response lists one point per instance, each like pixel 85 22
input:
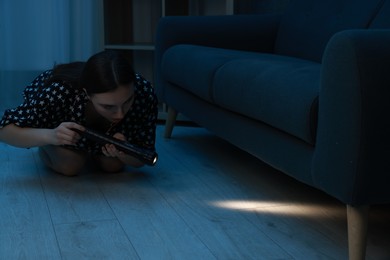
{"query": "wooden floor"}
pixel 204 199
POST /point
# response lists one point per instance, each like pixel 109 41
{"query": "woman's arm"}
pixel 25 137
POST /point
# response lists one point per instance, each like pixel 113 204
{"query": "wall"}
pixel 37 34
pixel 259 6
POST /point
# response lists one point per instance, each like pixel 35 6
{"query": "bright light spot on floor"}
pixel 280 208
pixel 244 204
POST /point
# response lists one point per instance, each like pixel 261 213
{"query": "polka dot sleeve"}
pixel 43 106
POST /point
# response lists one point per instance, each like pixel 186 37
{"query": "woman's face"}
pixel 114 105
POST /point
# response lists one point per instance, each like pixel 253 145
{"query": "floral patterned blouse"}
pixel 49 106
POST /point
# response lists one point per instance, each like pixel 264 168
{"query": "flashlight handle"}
pixel 149 157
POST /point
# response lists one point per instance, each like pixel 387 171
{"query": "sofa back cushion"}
pixel 308 25
pixel 382 19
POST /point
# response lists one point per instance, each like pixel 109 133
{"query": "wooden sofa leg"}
pixel 170 122
pixel 357 218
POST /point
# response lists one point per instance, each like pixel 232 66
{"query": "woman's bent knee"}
pixel 68 170
pixel 109 165
pixel 62 160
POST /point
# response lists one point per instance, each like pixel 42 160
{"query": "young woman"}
pixel 103 94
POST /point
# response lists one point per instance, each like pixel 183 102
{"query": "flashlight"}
pixel 147 156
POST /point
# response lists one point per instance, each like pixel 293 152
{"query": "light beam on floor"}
pixel 280 208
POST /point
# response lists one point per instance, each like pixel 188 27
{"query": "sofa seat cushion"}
pixel 277 90
pixel 280 91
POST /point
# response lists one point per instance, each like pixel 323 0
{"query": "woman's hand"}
pixel 26 137
pixel 110 150
pixel 64 134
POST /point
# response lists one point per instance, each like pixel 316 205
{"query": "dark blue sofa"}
pixel 306 91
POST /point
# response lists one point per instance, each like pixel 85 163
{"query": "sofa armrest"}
pixel 353 137
pixel 241 32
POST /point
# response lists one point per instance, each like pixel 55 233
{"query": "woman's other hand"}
pixel 110 150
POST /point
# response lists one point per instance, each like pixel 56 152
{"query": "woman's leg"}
pixel 62 160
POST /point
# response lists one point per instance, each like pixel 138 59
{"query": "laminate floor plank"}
pixel 301 236
pixel 236 198
pixel 205 199
pixel 74 199
pixel 94 240
pixel 304 222
pixel 26 229
pixel 226 233
pixel 152 225
pixel 85 225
